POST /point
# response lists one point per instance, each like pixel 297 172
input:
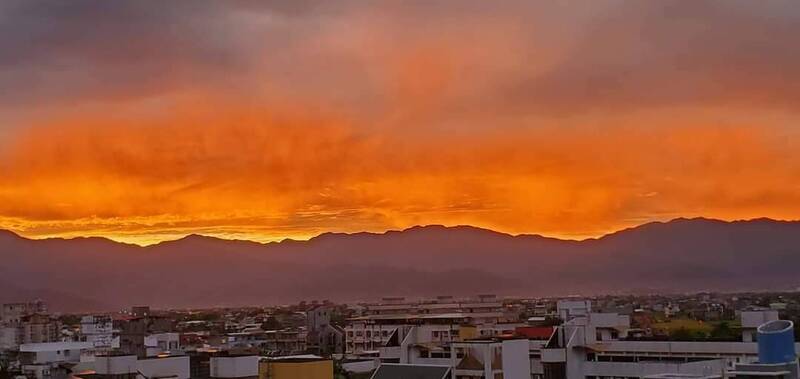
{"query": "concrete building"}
pixel 49 360
pixel 274 342
pixel 98 330
pixel 163 343
pixel 53 352
pixel 295 367
pixel 587 347
pixel 569 309
pixel 490 358
pixel 128 366
pixel 9 338
pixel 13 312
pixel 751 320
pixel 234 367
pixel 406 371
pixel 321 336
pixel 373 332
pixel 134 333
pixel 27 329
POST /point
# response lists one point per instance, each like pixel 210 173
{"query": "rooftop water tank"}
pixel 776 342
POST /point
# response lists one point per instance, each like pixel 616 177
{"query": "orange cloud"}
pixel 287 121
pixel 222 168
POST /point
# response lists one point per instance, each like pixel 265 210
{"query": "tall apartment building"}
pixel 13 312
pixel 98 330
pixel 321 336
pixel 26 323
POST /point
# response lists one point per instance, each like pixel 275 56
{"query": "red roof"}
pixel 534 332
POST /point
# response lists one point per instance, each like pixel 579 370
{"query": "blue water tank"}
pixel 776 342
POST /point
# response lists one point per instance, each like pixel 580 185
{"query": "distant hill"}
pixel 680 255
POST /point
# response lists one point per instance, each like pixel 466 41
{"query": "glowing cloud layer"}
pixel 264 122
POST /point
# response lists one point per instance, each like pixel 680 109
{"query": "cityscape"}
pixel 399 189
pixel 697 335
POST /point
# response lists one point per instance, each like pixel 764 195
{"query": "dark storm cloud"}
pixel 52 49
pixel 528 57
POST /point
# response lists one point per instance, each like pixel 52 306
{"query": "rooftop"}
pixel 404 371
pixel 54 346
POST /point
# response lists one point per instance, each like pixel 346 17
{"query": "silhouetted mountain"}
pixel 680 255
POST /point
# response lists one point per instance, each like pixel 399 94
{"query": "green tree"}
pixel 4 373
pixel 723 331
pixel 682 334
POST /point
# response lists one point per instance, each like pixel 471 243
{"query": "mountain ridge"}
pixel 192 236
pixel 679 255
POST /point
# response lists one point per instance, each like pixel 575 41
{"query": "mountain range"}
pixel 198 271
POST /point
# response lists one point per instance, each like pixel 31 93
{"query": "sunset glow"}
pixel 263 123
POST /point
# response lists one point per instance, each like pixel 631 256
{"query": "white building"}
pixel 751 320
pixel 162 343
pixel 98 330
pixel 389 320
pixel 44 360
pixel 128 366
pixel 490 358
pixel 230 367
pixel 586 347
pixel 569 309
pixel 53 352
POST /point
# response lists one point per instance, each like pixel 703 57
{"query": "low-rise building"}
pixel 234 367
pixel 49 360
pixel 751 320
pixel 128 366
pixel 295 367
pixel 586 346
pixel 405 371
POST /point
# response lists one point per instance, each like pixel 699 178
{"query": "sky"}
pixel 144 121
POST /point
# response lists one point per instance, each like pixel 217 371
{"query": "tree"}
pixel 723 331
pixel 682 334
pixel 271 323
pixel 4 373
